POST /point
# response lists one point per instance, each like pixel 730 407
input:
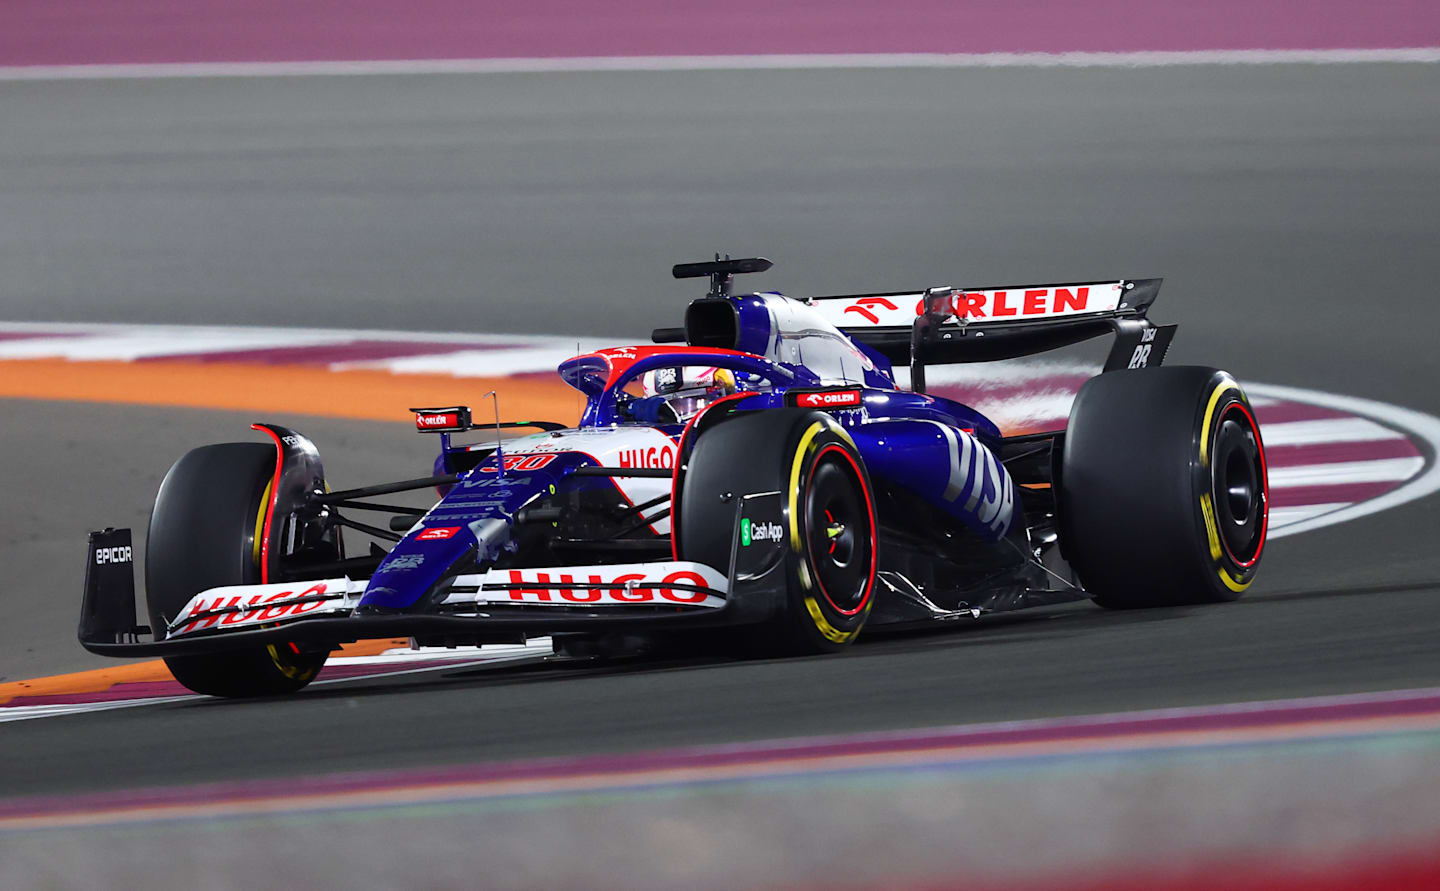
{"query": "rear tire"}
pixel 1163 492
pixel 828 515
pixel 203 534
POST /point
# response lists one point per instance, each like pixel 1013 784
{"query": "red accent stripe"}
pixel 1299 496
pixel 1096 729
pixel 995 397
pixel 44 32
pixel 1368 870
pixel 1264 484
pixel 1284 412
pixel 1338 452
pixel 619 359
pixel 274 498
pixel 330 353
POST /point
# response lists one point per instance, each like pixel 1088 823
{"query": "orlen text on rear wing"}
pixel 949 325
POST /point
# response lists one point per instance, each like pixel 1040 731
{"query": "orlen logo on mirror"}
pixel 447 419
pixel 831 399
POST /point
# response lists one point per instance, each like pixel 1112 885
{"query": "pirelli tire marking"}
pixel 1235 571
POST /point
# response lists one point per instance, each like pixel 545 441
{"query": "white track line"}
pixel 1006 372
pixel 28 712
pixel 84 329
pixel 441 665
pixel 804 61
pixel 1287 516
pixel 535 646
pixel 1418 424
pixel 128 346
pixel 1324 430
pixel 404 662
pixel 1047 408
pixel 482 363
pixel 1381 470
pixel 494 355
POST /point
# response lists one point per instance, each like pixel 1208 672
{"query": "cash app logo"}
pixel 745 533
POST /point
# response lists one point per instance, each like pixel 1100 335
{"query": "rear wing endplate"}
pixel 948 325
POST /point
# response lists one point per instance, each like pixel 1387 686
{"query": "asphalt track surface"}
pixel 1292 210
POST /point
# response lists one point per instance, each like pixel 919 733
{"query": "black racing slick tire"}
pixel 827 510
pixel 1163 489
pixel 204 534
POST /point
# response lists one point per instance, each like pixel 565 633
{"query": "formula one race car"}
pixel 756 476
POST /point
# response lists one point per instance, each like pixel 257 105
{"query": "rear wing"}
pixel 950 325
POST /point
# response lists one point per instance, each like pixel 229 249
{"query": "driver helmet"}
pixel 688 389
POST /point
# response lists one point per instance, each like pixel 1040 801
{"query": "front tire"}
pixel 1163 495
pixel 828 511
pixel 204 534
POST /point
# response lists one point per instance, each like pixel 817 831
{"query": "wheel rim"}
pixel 1237 485
pixel 837 524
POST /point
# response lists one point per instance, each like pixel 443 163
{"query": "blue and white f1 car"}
pixel 756 476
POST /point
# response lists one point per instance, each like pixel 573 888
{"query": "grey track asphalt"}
pixel 1293 210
